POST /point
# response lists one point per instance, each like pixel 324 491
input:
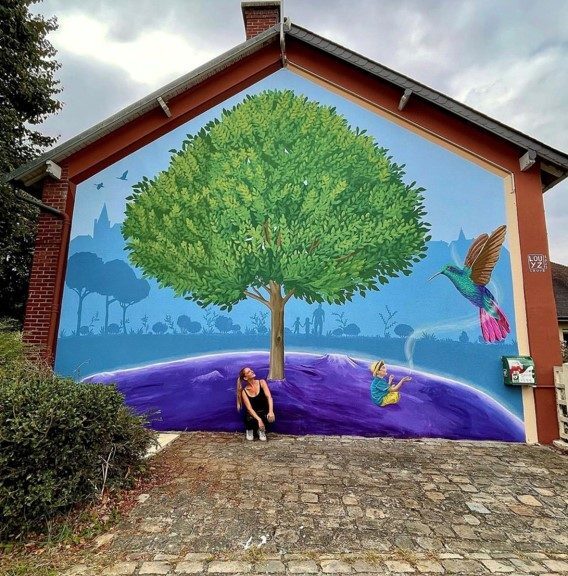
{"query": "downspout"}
pixel 282 37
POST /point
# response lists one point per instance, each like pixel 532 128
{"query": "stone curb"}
pixel 359 564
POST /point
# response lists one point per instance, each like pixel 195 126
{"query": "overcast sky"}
pixel 505 58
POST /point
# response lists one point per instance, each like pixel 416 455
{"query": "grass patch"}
pixel 372 557
pixel 27 569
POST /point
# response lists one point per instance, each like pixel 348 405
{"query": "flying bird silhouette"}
pixel 471 283
pixel 124 175
pixel 99 185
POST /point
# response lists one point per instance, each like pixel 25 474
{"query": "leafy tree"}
pixel 27 89
pixel 278 197
pixel 84 270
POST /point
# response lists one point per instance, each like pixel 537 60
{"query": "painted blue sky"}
pixel 444 174
pixel 458 195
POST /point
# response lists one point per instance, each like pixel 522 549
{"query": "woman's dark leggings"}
pixel 251 422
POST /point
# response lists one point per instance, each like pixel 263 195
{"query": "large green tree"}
pixel 279 197
pixel 27 90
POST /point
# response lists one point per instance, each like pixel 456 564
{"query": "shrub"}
pixel 11 345
pixel 61 443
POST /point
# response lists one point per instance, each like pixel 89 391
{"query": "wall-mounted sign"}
pixel 537 262
pixel 518 371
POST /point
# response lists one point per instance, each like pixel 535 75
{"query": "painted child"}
pixel 384 392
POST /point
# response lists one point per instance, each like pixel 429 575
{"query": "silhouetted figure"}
pixel 318 317
pixel 307 326
pixel 297 325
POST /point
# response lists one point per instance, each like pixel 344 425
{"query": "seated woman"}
pixel 256 397
pixel 384 393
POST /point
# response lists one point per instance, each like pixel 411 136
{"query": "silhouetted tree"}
pixel 113 328
pixel 223 323
pixel 111 275
pixel 159 328
pixel 403 330
pixel 84 270
pixel 117 282
pixel 259 322
pixel 187 325
pixel 130 293
pixel 352 330
pixel 388 321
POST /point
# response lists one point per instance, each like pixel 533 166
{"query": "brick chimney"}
pixel 260 15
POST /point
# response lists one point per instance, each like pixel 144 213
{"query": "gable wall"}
pixel 543 344
pixel 49 270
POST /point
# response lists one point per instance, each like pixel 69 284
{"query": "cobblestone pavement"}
pixel 329 505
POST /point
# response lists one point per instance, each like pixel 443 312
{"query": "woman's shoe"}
pixel 250 435
pixel 262 435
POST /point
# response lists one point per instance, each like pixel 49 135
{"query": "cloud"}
pixel 527 94
pixel 507 59
pixel 100 93
pixel 150 58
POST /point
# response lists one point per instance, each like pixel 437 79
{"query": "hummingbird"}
pixel 471 281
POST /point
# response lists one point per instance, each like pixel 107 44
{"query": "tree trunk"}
pixel 276 333
pixel 79 314
pixel 107 304
pixel 124 317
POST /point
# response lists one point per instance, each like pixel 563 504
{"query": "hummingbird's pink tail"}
pixel 494 329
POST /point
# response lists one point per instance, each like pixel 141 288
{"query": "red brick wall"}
pixel 44 295
pixel 258 19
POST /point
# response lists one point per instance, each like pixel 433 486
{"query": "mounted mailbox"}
pixel 518 371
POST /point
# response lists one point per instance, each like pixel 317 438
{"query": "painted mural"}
pixel 292 231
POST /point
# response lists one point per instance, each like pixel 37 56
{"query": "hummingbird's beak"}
pixel 437 274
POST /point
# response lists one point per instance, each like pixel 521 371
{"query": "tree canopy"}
pixel 27 90
pixel 278 189
pixel 279 193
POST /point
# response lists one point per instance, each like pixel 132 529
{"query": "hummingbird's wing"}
pixel 475 249
pixel 483 265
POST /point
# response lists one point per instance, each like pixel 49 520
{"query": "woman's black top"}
pixel 259 403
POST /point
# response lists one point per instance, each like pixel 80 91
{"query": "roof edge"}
pixel 32 172
pixel 554 163
pixel 550 155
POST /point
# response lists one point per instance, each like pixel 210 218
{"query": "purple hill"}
pixel 321 395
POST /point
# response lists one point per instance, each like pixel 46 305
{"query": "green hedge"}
pixel 55 437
